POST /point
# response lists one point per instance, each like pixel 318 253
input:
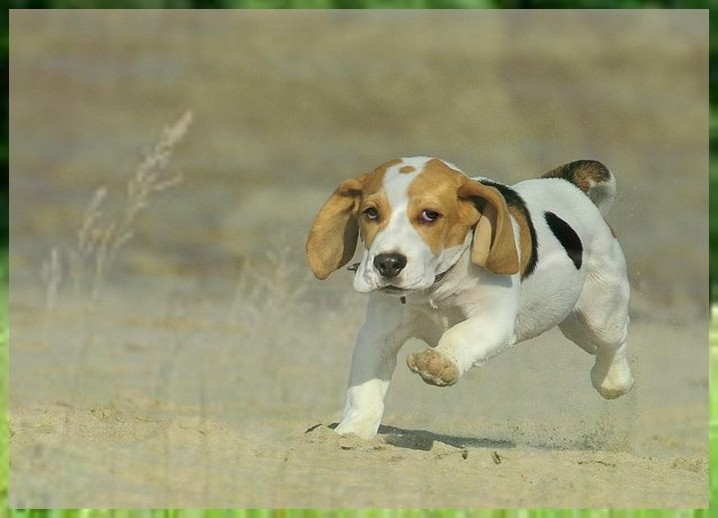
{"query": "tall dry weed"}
pixel 100 237
pixel 270 292
pixel 51 274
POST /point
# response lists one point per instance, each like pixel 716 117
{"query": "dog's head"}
pixel 416 217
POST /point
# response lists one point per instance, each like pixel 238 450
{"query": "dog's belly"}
pixel 545 303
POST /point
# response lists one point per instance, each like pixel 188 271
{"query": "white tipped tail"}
pixel 593 178
pixel 603 193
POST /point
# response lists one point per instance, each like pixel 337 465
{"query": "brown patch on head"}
pixel 373 196
pixel 371 226
pixel 333 235
pixel 581 173
pixel 407 169
pixel 435 189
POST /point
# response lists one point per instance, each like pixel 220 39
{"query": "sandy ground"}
pixel 172 406
pixel 210 366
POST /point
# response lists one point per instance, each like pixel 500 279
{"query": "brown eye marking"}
pixel 371 213
pixel 428 216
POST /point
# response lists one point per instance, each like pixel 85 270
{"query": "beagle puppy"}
pixel 472 267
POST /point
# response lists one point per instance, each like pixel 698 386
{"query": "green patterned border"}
pixel 4 383
pixel 311 513
pixel 713 428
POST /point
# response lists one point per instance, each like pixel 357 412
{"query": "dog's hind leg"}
pixel 611 375
pixel 599 325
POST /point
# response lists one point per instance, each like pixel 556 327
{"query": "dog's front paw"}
pixel 433 367
pixel 364 428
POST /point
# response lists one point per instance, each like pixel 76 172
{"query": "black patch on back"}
pixel 514 199
pixel 567 237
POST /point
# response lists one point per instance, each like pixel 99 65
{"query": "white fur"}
pixel 472 314
pixel 398 235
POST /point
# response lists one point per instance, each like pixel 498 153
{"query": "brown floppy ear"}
pixel 334 233
pixel 494 247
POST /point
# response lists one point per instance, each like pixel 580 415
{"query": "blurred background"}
pixel 287 104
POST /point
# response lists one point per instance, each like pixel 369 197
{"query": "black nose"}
pixel 389 265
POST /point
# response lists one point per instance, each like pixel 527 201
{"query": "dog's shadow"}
pixel 424 440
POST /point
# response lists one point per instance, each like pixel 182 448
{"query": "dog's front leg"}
pixel 464 345
pixel 373 363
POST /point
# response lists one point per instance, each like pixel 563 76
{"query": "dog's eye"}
pixel 429 216
pixel 371 213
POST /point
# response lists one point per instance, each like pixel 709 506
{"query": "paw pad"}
pixel 433 368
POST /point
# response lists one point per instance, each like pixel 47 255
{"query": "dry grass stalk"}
pixel 52 277
pixel 99 241
pixel 268 287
